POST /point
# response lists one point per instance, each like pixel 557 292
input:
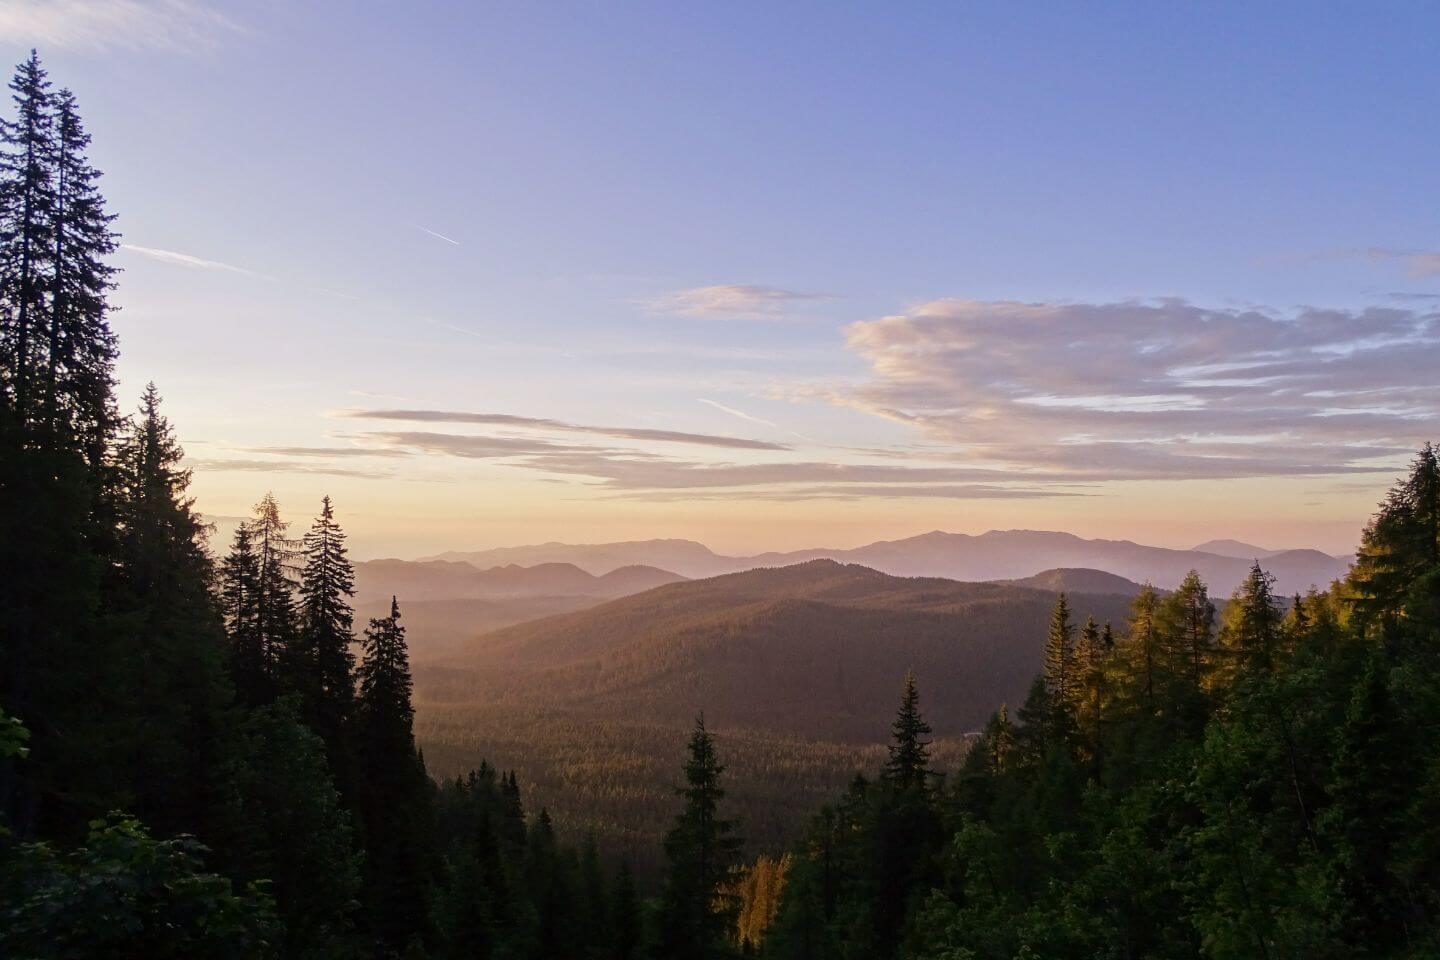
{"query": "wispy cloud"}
pixel 189 260
pixel 102 24
pixel 329 452
pixel 288 466
pixel 1151 390
pixel 736 413
pixel 1418 264
pixel 560 426
pixel 733 300
pixel 440 236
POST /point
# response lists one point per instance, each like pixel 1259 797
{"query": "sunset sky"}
pixel 773 275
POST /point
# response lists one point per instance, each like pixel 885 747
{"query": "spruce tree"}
pixel 161 614
pixel 321 661
pixel 702 850
pixel 908 766
pixel 1090 656
pixel 394 791
pixel 1252 622
pixel 276 557
pixel 1143 645
pixel 81 348
pixel 1061 681
pixel 27 236
pixel 239 596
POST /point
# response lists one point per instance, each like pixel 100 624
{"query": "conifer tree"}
pixel 1061 680
pixel 161 611
pixel 1144 644
pixel 908 766
pixel 276 557
pixel 240 599
pixel 394 800
pixel 1090 656
pixel 1252 622
pixel 702 849
pixel 27 198
pixel 322 663
pixel 81 347
pixel 1187 618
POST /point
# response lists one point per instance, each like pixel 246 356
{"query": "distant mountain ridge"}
pixel 996 555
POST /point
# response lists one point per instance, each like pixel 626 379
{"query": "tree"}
pixel 1143 644
pixel 1252 622
pixel 27 199
pixel 702 850
pixel 81 348
pixel 284 825
pixel 124 894
pixel 1090 657
pixel 322 663
pixel 1187 618
pixel 908 766
pixel 240 601
pixel 394 793
pixel 161 614
pixel 1060 668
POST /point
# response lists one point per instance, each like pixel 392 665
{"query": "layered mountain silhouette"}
pixel 443 602
pixel 997 555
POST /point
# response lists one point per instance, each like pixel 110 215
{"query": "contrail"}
pixel 441 236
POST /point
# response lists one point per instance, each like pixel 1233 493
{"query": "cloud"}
pixel 187 260
pixel 287 466
pixel 1418 264
pixel 858 492
pixel 1152 390
pixel 736 413
pixel 540 423
pixel 440 236
pixel 732 300
pixel 329 452
pixel 103 24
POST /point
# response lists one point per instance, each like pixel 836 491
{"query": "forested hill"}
pixel 795 666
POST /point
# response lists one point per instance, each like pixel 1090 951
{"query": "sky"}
pixel 772 276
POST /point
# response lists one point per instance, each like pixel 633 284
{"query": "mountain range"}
pixel 997 555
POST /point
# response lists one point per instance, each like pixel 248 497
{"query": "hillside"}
pixel 997 555
pixel 1078 580
pixel 797 669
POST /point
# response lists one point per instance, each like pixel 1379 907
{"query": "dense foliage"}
pixel 1265 790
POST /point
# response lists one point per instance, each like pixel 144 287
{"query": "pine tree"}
pixel 393 799
pixel 276 557
pixel 240 598
pixel 1061 680
pixel 165 621
pixel 1144 644
pixel 27 198
pixel 908 766
pixel 1187 618
pixel 81 348
pixel 702 849
pixel 1252 622
pixel 1090 657
pixel 321 661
